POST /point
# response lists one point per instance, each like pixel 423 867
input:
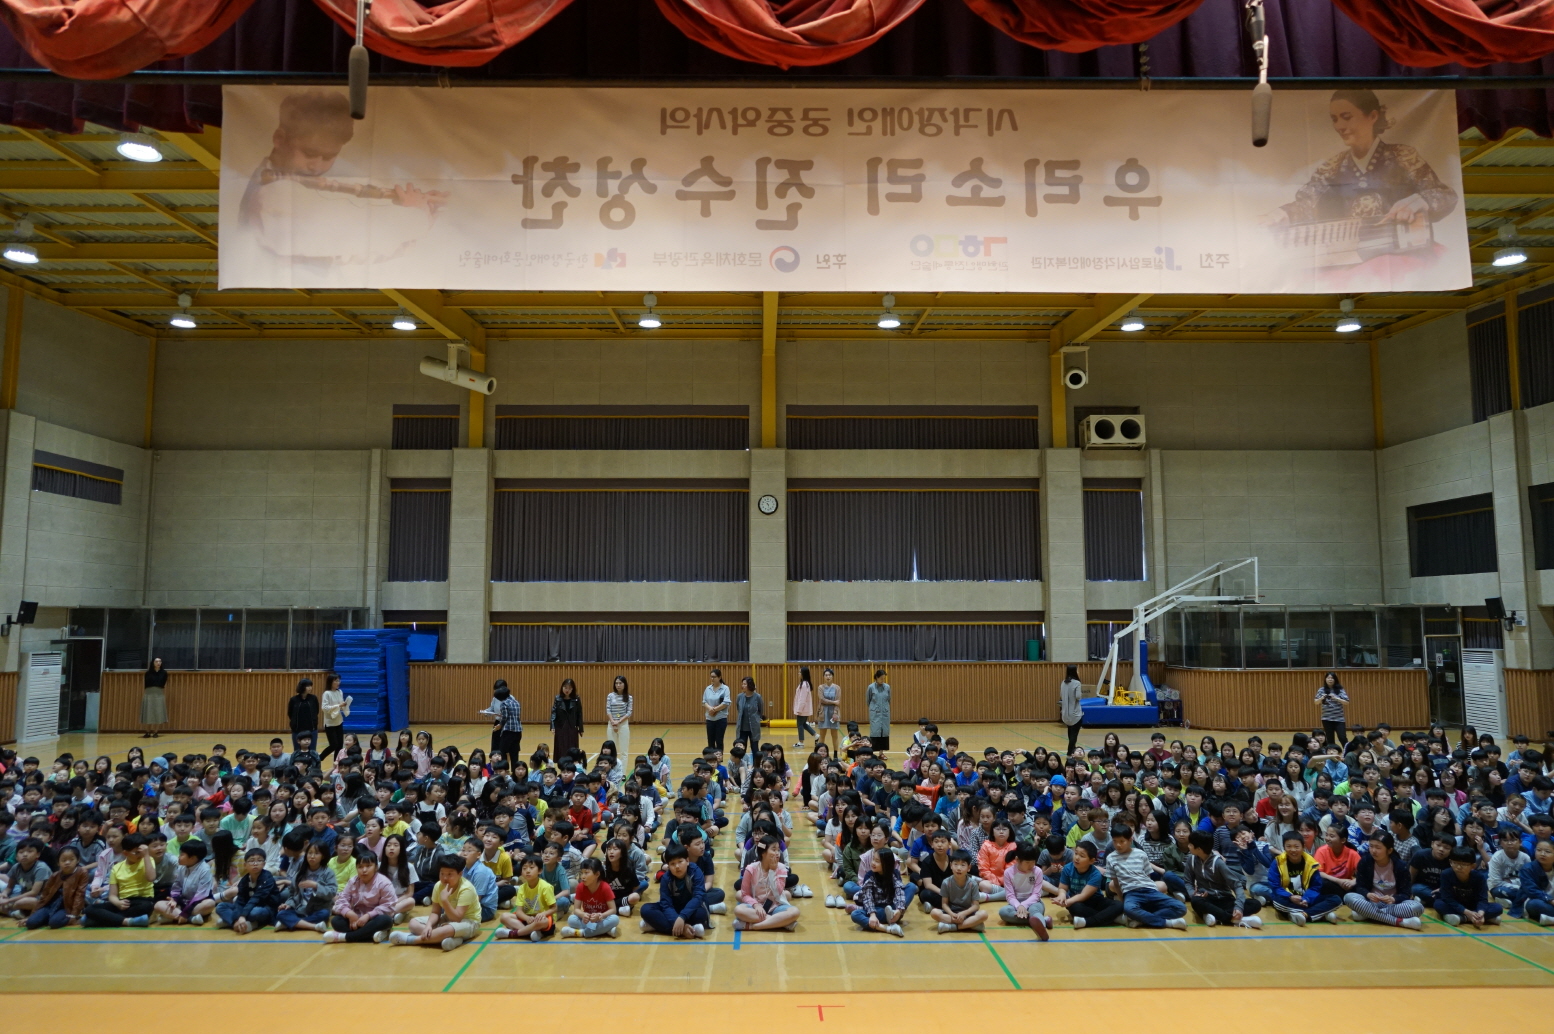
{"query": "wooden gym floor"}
pixel 825 958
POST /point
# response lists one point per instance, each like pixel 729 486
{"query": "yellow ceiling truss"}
pixel 120 241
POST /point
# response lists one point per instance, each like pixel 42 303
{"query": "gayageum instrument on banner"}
pixel 1348 242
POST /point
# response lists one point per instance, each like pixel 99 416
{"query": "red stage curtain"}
pixel 1080 25
pixel 103 39
pixel 1426 33
pixel 798 32
pixel 462 33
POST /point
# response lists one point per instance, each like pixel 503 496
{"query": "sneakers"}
pixel 449 943
pixel 399 938
pixel 377 938
pixel 1177 924
pixel 945 927
pixel 334 937
pixel 799 744
pixel 571 931
pixel 894 929
pixel 1332 917
pixel 1298 918
pixel 1079 922
pixel 1209 920
pixel 1411 923
pixel 721 908
pixel 803 891
pixel 1252 922
pixel 833 901
pixel 1453 919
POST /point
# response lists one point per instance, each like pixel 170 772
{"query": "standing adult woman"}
pixel 617 709
pixel 804 706
pixel 302 713
pixel 1332 696
pixel 877 697
pixel 715 702
pixel 336 707
pixel 830 711
pixel 507 712
pixel 566 720
pixel 153 700
pixel 1072 714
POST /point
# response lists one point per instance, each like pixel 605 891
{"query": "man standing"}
pixel 1070 712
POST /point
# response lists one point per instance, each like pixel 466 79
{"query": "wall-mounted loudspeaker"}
pixel 1112 431
pixel 1075 378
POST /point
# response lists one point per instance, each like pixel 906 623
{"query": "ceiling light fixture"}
pixel 16 250
pixel 1131 323
pixel 403 321
pixel 649 320
pixel 138 147
pixel 1347 323
pixel 181 319
pixel 889 320
pixel 1508 254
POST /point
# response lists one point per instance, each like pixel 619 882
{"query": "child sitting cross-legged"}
pixel 534 904
pixel 959 894
pixel 593 904
pixel 763 893
pixel 455 914
pixel 364 911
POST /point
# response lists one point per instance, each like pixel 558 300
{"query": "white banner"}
pixel 831 190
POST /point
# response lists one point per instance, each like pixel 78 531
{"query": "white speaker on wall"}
pixel 1112 431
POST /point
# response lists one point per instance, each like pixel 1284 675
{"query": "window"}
pixel 623 427
pixel 221 639
pixel 961 636
pixel 1480 631
pixel 1535 339
pixel 431 622
pixel 582 637
pixel 1114 529
pixel 1540 500
pixel 1454 536
pixel 173 634
pixel 419 515
pixel 78 479
pixel 1489 372
pixel 426 427
pixel 1263 640
pixel 1311 638
pixel 912 427
pixel 661 530
pixel 1354 638
pixel 265 638
pixel 908 530
pixel 1402 637
pixel 313 637
pixel 1212 638
pixel 1101 627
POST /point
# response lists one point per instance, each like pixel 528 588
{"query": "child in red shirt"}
pixel 593 904
pixel 1339 862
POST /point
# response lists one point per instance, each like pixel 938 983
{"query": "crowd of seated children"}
pixel 356 848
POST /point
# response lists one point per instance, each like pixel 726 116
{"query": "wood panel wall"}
pixel 1264 700
pixel 1529 698
pixel 204 701
pixel 8 706
pixel 670 694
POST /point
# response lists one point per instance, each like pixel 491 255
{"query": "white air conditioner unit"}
pixel 1483 691
pixel 37 697
pixel 1112 431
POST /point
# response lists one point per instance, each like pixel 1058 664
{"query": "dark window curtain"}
pixel 313 637
pixel 1488 370
pixel 221 639
pixel 265 635
pixel 1114 530
pixel 895 642
pixel 76 486
pixel 1480 631
pixel 851 536
pixel 1535 338
pixel 419 517
pixel 426 432
pixel 1455 536
pixel 1099 635
pixel 840 432
pixel 981 536
pixel 911 535
pixel 620 643
pixel 624 536
pixel 622 432
pixel 1541 500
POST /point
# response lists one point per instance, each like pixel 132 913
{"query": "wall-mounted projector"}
pixel 449 370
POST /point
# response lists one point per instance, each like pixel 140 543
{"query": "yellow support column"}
pixel 477 404
pixel 1058 411
pixel 1513 351
pixel 768 369
pixel 12 367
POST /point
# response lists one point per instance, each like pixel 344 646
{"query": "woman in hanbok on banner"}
pixel 1388 191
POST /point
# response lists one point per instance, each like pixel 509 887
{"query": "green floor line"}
pixel 1492 944
pixel 14 933
pixel 471 960
pixel 1000 960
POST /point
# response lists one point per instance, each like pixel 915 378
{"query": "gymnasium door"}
pixel 1443 657
pixel 83 675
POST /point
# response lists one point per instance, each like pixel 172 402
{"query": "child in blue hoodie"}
pixel 1464 891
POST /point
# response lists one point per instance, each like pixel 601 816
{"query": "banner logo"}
pixel 784 259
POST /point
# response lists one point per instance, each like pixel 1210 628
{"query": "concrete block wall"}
pixel 1424 380
pixel 259 528
pixel 1308 516
pixel 1448 465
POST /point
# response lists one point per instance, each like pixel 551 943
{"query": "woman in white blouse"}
pixel 336 707
pixel 617 708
